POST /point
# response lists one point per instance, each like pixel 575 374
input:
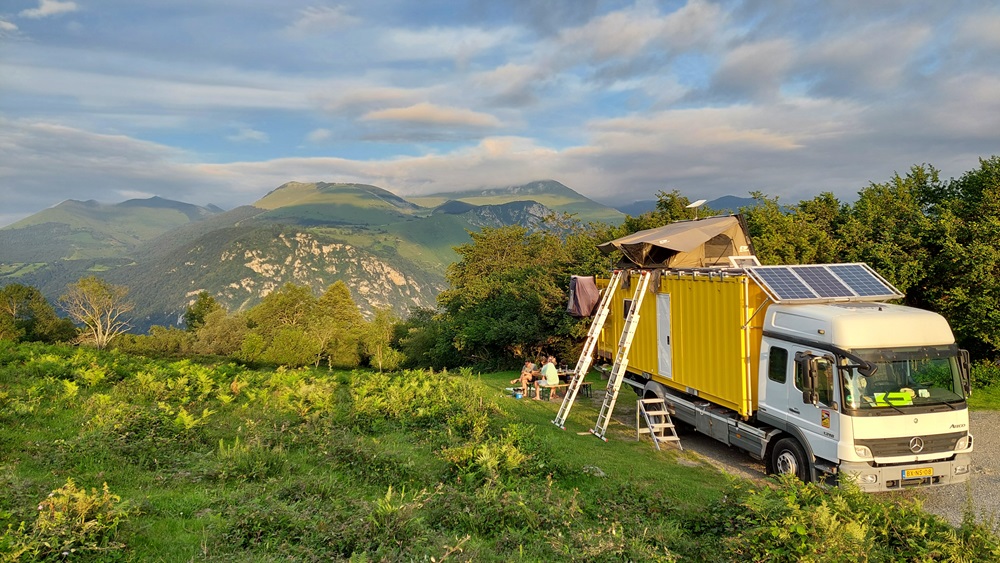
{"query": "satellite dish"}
pixel 695 205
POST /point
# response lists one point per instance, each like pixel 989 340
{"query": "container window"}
pixel 626 307
pixel 777 364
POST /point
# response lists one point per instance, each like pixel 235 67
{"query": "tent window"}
pixel 719 248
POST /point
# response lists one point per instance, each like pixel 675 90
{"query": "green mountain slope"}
pixel 549 193
pixel 389 251
pixel 79 230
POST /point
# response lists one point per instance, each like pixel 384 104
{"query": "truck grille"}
pixel 895 447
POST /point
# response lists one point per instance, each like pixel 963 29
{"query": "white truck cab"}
pixel 872 390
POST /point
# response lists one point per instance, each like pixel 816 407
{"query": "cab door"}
pixel 819 422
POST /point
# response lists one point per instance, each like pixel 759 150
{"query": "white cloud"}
pixel 319 19
pixel 319 135
pixel 425 113
pixel 48 8
pixel 7 27
pixel 246 134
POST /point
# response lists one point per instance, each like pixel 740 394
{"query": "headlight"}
pixel 863 452
pixel 961 469
pixel 868 478
pixel 964 442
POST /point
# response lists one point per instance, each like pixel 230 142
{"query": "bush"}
pixel 985 374
pixel 794 521
pixel 70 521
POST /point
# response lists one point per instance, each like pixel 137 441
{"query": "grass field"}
pixel 215 462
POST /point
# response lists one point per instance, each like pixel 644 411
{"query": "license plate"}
pixel 922 472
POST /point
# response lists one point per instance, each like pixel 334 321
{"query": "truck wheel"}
pixel 788 457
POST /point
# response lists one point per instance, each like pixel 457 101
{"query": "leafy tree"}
pixel 337 325
pixel 507 295
pixel 805 234
pixel 964 283
pixel 25 315
pixel 194 316
pixel 377 341
pixel 887 228
pixel 221 334
pixel 100 306
pixel 270 322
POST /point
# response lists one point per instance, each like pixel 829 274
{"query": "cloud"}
pixel 430 114
pixel 246 134
pixel 7 27
pixel 48 8
pixel 319 135
pixel 319 19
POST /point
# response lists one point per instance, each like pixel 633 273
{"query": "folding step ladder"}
pixel 656 415
pixel 587 354
pixel 621 358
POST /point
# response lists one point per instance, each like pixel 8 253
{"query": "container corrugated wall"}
pixel 713 355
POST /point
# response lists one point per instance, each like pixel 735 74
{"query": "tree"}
pixel 508 292
pixel 100 306
pixel 964 279
pixel 221 334
pixel 336 324
pixel 278 328
pixel 805 234
pixel 194 316
pixel 377 341
pixel 887 228
pixel 25 315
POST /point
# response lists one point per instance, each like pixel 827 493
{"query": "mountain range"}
pixel 391 251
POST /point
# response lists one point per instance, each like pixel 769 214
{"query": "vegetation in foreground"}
pixel 112 457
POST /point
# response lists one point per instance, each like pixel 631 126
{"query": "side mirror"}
pixel 965 371
pixel 805 363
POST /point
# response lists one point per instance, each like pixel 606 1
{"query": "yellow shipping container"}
pixel 699 333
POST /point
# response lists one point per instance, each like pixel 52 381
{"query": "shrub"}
pixel 985 374
pixel 71 520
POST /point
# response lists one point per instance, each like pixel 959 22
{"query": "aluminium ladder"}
pixel 656 414
pixel 587 354
pixel 621 358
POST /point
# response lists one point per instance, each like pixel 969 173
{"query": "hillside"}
pixel 549 193
pixel 390 251
pixel 79 230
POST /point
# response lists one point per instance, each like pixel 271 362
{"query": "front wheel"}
pixel 788 458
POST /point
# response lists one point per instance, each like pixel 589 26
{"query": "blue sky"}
pixel 221 101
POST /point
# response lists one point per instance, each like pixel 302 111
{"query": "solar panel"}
pixel 816 283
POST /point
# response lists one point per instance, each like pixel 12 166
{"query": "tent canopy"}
pixel 685 244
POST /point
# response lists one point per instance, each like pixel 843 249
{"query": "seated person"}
pixel 527 374
pixel 550 377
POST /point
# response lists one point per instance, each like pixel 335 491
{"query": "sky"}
pixel 221 101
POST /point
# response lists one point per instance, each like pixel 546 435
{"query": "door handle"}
pixel 793 409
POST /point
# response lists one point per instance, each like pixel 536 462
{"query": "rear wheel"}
pixel 788 458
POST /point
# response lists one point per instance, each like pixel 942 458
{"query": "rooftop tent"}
pixel 685 244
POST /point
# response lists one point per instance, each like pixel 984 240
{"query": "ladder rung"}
pixel 658 413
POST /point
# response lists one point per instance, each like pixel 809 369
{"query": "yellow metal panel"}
pixel 715 350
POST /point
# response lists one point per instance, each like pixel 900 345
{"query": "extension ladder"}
pixel 621 358
pixel 587 354
pixel 656 414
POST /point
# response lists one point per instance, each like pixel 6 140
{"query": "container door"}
pixel 820 422
pixel 663 353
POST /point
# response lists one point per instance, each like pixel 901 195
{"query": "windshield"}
pixel 927 375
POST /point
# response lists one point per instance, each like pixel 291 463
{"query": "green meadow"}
pixel 112 457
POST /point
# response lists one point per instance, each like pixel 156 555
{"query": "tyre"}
pixel 788 457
